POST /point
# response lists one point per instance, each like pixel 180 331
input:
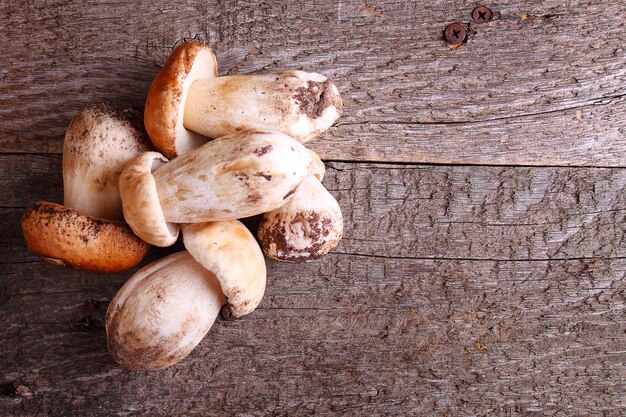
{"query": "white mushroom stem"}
pixel 232 177
pixel 162 312
pixel 300 104
pixel 307 227
pixel 99 142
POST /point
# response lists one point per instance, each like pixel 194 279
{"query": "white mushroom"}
pixel 317 168
pixel 232 177
pixel 186 96
pixel 162 312
pixel 145 215
pixel 231 252
pixel 86 233
pixel 99 142
pixel 165 309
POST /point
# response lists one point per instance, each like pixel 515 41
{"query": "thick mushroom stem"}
pixel 299 104
pixel 309 226
pixel 98 143
pixel 162 312
pixel 232 177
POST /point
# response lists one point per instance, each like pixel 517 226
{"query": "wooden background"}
pixel 483 266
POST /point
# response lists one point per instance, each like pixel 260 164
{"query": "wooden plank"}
pixel 345 335
pixel 452 212
pixel 457 290
pixel 548 90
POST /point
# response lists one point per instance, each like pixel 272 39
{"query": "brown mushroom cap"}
pixel 63 236
pixel 163 114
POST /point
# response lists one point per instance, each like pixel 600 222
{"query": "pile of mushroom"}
pixel 228 148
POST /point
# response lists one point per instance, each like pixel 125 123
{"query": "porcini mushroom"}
pixel 307 227
pixel 317 168
pixel 187 101
pixel 98 143
pixel 143 210
pixel 230 251
pixel 63 236
pixel 165 309
pixel 162 312
pixel 235 176
pixel 86 233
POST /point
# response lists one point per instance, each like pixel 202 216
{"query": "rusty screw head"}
pixel 482 14
pixel 455 32
pixel 227 314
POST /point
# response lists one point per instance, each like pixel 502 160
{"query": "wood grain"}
pixel 492 291
pixel 483 268
pixel 548 90
pixel 347 335
pixel 450 212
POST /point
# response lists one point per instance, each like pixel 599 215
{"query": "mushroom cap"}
pixel 162 312
pixel 309 226
pixel 165 105
pixel 142 209
pixel 63 236
pixel 99 142
pixel 230 251
pixel 235 176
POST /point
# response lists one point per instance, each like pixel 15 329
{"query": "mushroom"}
pixel 142 209
pixel 317 168
pixel 85 233
pixel 230 251
pixel 165 309
pixel 162 312
pixel 236 176
pixel 308 226
pixel 187 100
pixel 99 142
pixel 65 237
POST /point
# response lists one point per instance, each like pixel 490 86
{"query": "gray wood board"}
pixel 346 335
pixel 456 290
pixel 461 287
pixel 548 90
pixel 460 212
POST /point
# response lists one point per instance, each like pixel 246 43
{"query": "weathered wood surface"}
pixel 545 91
pixel 520 309
pixel 450 212
pixel 347 335
pixel 458 289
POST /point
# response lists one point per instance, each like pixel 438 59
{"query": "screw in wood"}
pixel 227 314
pixel 455 32
pixel 482 14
